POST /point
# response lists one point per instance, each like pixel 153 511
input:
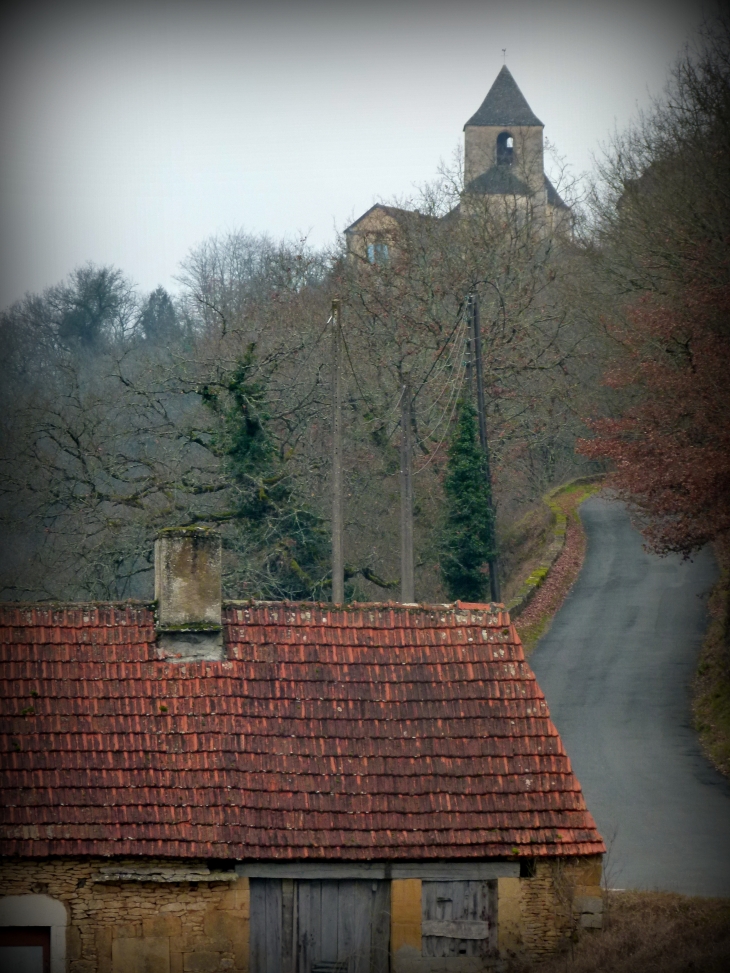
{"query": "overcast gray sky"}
pixel 131 132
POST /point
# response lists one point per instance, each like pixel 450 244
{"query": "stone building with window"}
pixel 280 788
pixel 504 164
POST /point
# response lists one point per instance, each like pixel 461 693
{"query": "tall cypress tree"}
pixel 467 543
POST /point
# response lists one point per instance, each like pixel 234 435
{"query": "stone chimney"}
pixel 188 593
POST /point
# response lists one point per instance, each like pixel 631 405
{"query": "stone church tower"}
pixel 503 144
pixel 503 160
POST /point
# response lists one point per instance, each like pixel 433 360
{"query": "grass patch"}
pixel 531 634
pixel 537 617
pixel 570 497
pixel 649 932
pixel 522 548
pixel 711 702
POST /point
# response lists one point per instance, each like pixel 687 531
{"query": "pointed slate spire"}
pixel 504 105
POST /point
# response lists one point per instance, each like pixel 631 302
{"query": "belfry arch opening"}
pixel 505 149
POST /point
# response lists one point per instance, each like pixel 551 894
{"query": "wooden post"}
pixel 482 412
pixel 338 564
pixel 407 595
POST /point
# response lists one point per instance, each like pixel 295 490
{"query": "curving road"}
pixel 616 668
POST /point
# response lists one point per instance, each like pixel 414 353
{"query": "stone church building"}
pixel 503 162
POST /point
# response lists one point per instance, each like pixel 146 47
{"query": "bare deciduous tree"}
pixel 660 231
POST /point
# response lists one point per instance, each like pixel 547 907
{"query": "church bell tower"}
pixel 503 145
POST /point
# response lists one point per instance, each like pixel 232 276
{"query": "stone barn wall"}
pixel 118 923
pixel 129 926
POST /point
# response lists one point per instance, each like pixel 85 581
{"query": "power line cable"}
pixel 435 450
pixel 445 345
pixel 447 366
pixel 448 410
pixel 362 394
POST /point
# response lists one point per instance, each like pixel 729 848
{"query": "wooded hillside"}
pixel 123 412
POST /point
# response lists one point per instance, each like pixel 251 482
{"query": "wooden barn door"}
pixel 459 918
pixel 342 926
pixel 327 926
pixel 265 952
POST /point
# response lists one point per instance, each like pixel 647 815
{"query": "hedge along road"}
pixel 616 668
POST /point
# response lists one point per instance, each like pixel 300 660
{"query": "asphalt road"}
pixel 616 668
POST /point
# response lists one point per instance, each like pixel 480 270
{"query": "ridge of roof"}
pixel 37 612
pixel 504 105
pixel 253 603
pixel 394 211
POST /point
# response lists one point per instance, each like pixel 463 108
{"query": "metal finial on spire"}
pixel 504 55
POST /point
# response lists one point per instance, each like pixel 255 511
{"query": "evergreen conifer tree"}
pixel 467 543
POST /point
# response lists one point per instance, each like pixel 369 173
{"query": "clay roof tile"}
pixel 371 732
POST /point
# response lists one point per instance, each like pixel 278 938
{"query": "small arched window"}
pixel 505 149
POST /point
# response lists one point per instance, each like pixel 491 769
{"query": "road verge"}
pixel 543 591
pixel 648 932
pixel 711 690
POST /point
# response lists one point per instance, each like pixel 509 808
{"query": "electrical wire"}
pixel 459 320
pixel 384 420
pixel 447 366
pixel 435 450
pixel 446 415
pixel 447 389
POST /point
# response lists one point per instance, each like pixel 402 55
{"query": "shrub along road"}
pixel 616 668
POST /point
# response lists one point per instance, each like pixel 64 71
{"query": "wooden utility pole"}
pixel 338 561
pixel 469 350
pixel 482 412
pixel 407 588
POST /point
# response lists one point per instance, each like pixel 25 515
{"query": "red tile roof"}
pixel 379 732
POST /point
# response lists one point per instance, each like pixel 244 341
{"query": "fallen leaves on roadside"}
pixel 536 618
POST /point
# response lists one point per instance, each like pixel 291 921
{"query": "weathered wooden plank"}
pixel 435 905
pixel 380 930
pixel 459 912
pixel 273 926
pixel 427 871
pixel 492 902
pixel 287 925
pixel 265 928
pixel 362 917
pixel 456 928
pixel 257 942
pixel 455 871
pixel 305 959
pixel 315 920
pixel 345 927
pixel 429 905
pixel 328 920
pixel 161 873
pixel 451 907
pixel 313 871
